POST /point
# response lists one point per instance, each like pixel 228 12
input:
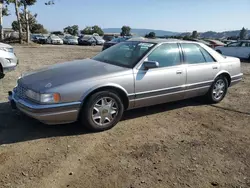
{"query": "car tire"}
pixel 1 72
pixel 219 51
pixel 102 111
pixel 218 90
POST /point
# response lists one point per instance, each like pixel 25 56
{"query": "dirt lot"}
pixel 182 144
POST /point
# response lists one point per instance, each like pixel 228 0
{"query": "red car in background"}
pixel 215 43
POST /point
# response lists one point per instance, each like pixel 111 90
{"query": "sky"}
pixel 169 15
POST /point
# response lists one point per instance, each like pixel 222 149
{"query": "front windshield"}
pixel 55 37
pixel 125 54
pixel 72 37
pixel 98 38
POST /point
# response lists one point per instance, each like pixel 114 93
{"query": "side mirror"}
pixel 150 64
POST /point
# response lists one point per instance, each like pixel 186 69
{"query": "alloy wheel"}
pixel 104 111
pixel 219 89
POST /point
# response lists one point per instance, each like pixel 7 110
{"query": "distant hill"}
pixel 142 32
pixel 212 34
pixel 208 34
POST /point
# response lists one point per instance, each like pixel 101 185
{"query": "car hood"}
pixel 3 45
pixel 68 72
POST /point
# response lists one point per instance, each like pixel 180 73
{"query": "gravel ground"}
pixel 181 144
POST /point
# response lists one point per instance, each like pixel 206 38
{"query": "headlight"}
pixel 43 98
pixel 11 50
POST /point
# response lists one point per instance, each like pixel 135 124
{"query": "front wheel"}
pixel 218 90
pixel 102 111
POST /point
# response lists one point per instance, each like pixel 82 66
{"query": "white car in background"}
pixel 70 40
pixel 53 39
pixel 8 59
pixel 240 49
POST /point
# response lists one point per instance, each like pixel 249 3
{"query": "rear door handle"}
pixel 215 67
pixel 179 72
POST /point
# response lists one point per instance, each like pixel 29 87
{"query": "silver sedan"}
pixel 131 74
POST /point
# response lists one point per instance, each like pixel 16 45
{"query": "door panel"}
pixel 200 77
pixel 201 70
pixel 231 49
pixel 244 50
pixel 164 83
pixel 159 85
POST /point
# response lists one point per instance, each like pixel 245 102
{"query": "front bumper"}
pixel 9 64
pixel 57 42
pixel 49 114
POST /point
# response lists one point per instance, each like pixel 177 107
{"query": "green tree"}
pixel 73 30
pixel 34 27
pixel 150 35
pixel 49 2
pixel 92 30
pixel 195 34
pixel 243 34
pixel 38 28
pixel 15 26
pixel 186 37
pixel 125 31
pixel 57 33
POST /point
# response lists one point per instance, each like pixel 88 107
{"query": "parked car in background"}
pixel 88 40
pixel 215 43
pixel 108 38
pixel 8 59
pixel 40 39
pixel 128 75
pixel 201 41
pixel 113 42
pixel 240 49
pixel 228 41
pixel 99 40
pixel 53 39
pixel 70 40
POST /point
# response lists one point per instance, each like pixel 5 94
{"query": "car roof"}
pixel 159 41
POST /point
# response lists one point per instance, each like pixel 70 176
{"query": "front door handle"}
pixel 179 72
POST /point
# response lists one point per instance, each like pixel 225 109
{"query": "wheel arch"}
pixel 111 87
pixel 226 74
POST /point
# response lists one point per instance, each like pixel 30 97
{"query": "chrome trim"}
pixel 235 77
pixel 171 90
pixel 170 93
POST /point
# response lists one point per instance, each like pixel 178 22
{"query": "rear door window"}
pixel 192 54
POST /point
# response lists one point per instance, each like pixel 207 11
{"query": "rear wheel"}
pixel 102 111
pixel 218 90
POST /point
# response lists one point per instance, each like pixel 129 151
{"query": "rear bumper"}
pixel 48 114
pixel 236 79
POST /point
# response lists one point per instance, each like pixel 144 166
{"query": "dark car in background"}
pixel 88 40
pixel 108 37
pixel 113 42
pixel 40 39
